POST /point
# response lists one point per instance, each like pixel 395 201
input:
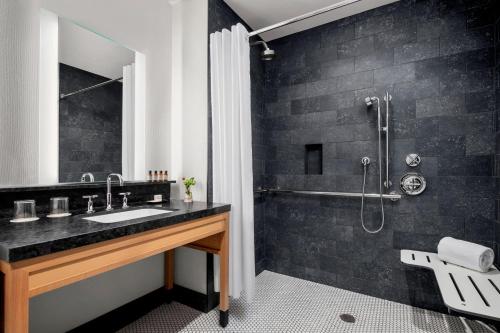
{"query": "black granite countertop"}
pixel 20 241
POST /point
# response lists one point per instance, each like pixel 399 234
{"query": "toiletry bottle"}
pixel 150 175
pixel 161 176
pixel 165 174
pixel 155 177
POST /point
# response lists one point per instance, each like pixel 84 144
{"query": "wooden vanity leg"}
pixel 16 302
pixel 224 277
pixel 169 274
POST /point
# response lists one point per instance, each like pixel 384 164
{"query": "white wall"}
pixel 70 306
pixel 140 116
pixel 91 52
pixel 189 121
pixel 19 40
pixel 48 97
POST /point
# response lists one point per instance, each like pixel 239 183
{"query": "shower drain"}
pixel 348 318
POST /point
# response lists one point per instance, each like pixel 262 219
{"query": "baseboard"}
pixel 195 300
pixel 130 312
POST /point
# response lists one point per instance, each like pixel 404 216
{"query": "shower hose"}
pixel 365 167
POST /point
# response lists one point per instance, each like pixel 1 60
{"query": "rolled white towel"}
pixel 466 254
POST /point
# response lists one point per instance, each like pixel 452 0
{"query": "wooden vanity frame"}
pixel 31 277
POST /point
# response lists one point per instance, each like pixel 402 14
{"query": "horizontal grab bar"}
pixel 393 197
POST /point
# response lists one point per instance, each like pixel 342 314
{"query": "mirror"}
pixel 68 102
pixel 95 92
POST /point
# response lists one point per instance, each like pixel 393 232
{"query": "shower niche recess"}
pixel 314 159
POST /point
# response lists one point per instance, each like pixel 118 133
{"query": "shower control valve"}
pixel 413 160
pixel 413 184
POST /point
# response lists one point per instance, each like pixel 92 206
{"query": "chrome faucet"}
pixel 108 193
pixel 84 176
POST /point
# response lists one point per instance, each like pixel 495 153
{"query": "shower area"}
pixel 372 134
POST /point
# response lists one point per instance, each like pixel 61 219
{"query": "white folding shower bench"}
pixel 468 292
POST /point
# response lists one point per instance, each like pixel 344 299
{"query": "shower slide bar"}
pixel 303 17
pixel 387 99
pixel 393 197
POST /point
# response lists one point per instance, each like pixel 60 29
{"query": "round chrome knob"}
pixel 413 184
pixel 365 161
pixel 413 160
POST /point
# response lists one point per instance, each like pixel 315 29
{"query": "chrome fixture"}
pixel 387 99
pixel 85 175
pixel 267 54
pixel 413 184
pixel 102 84
pixel 369 103
pixel 303 17
pixel 125 200
pixel 90 202
pixel 365 161
pixel 382 129
pixel 412 160
pixel 108 186
pixel 393 196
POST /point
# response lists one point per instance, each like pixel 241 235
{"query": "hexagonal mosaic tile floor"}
pixel 287 304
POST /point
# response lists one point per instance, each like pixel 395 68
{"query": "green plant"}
pixel 188 182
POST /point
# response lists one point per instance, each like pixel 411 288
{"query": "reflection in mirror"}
pixel 96 92
pixel 71 101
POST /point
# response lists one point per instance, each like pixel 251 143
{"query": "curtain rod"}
pixel 303 17
pixel 63 96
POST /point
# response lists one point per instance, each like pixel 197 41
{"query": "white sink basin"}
pixel 127 215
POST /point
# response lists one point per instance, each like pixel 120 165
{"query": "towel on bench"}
pixel 466 254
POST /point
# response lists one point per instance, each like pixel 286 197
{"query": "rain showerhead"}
pixel 267 54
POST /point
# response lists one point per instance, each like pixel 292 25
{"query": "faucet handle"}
pixel 90 203
pixel 125 200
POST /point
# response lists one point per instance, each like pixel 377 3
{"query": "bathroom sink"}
pixel 127 215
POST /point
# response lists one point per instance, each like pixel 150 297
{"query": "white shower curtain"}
pixel 232 150
pixel 128 115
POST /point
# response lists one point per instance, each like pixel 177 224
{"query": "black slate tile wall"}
pixel 437 59
pixel 90 126
pixel 497 105
pixel 221 16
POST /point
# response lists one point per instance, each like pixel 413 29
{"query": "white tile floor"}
pixel 286 304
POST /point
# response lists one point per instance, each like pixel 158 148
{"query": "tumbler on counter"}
pixel 59 207
pixel 24 211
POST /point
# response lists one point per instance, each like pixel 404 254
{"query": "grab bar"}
pixel 393 197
